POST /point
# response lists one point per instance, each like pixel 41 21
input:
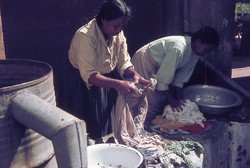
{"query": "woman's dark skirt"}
pixel 95 105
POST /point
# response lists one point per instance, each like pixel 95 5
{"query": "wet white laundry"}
pixel 189 115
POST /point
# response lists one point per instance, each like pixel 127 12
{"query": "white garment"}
pixel 189 115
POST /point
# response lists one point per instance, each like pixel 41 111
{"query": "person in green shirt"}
pixel 171 60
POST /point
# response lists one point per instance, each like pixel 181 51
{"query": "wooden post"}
pixel 2 51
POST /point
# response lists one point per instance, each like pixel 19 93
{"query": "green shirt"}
pixel 175 60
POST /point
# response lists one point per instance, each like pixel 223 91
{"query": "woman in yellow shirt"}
pixel 99 61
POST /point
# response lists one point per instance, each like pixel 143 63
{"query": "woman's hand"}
pixel 131 73
pixel 177 105
pixel 141 80
pixel 124 87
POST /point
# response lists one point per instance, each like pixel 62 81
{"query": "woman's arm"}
pixel 176 103
pixel 121 86
pixel 131 73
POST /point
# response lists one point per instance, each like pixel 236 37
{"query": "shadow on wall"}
pixel 42 30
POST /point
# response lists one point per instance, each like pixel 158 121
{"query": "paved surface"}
pixel 241 71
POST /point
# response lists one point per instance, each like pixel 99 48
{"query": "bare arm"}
pixel 131 73
pixel 173 97
pixel 121 86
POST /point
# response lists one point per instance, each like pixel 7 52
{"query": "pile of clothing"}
pixel 190 119
pixel 158 151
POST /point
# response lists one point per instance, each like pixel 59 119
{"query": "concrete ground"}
pixel 241 71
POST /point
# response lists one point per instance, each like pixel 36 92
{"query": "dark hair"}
pixel 113 9
pixel 207 35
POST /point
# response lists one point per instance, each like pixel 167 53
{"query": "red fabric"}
pixel 195 128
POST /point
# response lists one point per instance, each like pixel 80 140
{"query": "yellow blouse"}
pixel 90 53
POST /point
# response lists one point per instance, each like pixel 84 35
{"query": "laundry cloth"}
pixel 130 114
